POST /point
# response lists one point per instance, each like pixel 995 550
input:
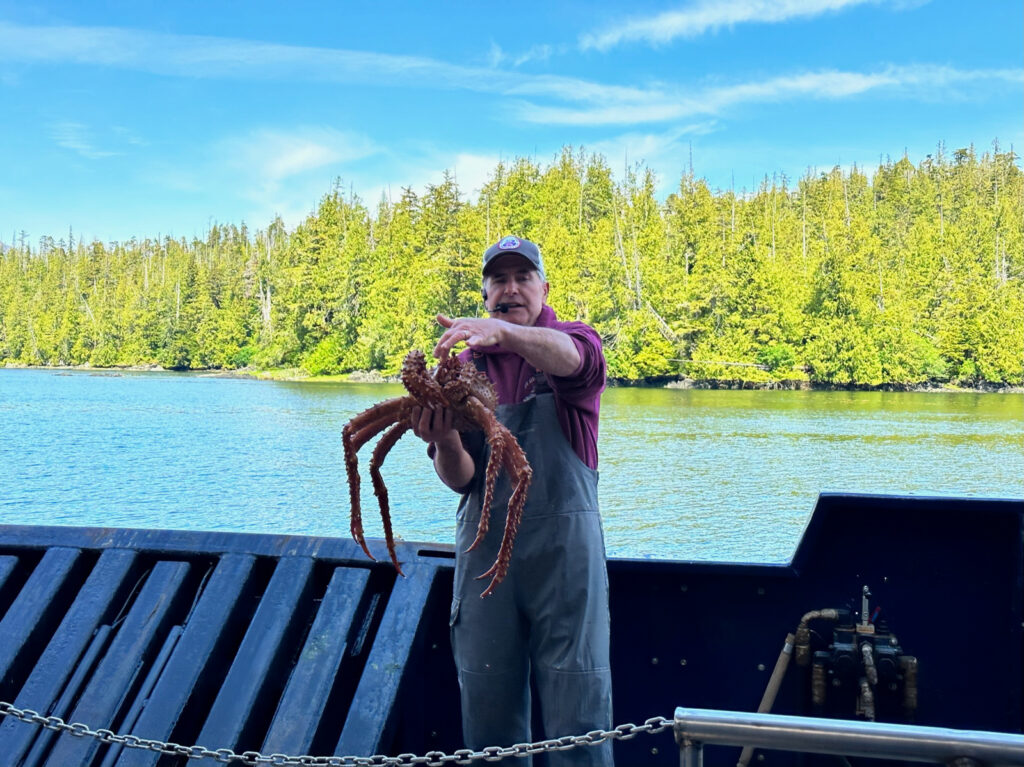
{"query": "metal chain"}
pixel 652 726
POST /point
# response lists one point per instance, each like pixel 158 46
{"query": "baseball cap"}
pixel 520 247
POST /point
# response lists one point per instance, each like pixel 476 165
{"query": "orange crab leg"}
pixel 492 428
pixel 364 426
pixel 515 514
pixel 357 433
pixel 380 452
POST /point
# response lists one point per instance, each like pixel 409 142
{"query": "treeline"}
pixel 913 275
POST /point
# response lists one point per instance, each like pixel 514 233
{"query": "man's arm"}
pixel 546 349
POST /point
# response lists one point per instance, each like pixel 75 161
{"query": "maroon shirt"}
pixel 577 396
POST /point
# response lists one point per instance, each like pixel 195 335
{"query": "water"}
pixel 703 475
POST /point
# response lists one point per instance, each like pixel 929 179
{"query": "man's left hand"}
pixel 473 331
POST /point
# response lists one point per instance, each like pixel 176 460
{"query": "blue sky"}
pixel 143 118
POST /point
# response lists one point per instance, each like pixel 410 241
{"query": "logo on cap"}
pixel 508 243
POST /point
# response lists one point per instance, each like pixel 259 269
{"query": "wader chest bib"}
pixel 550 614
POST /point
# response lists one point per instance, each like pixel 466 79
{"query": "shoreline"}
pixel 297 375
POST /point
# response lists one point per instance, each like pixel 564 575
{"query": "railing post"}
pixel 691 753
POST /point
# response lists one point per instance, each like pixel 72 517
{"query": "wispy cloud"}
pixel 76 137
pixel 127 136
pixel 422 166
pixel 667 149
pixel 275 172
pixel 472 171
pixel 276 168
pixel 207 57
pixel 542 52
pixel 660 105
pixel 272 156
pixel 495 55
pixel 709 16
pixel 219 57
pixel 548 99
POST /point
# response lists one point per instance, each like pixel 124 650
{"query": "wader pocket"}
pixel 453 618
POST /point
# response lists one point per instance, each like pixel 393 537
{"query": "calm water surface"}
pixel 706 475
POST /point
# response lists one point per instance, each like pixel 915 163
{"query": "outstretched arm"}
pixel 453 464
pixel 546 349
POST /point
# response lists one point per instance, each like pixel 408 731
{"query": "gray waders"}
pixel 550 614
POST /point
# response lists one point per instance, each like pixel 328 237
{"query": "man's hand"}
pixel 433 425
pixel 451 461
pixel 546 349
pixel 471 330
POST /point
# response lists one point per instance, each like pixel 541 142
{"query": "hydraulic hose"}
pixel 868 654
pixel 768 699
pixel 801 643
pixel 908 663
pixel 803 633
pixel 867 700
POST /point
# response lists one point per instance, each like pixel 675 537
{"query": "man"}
pixel 550 614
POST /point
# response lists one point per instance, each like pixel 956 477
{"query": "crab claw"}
pixel 357 535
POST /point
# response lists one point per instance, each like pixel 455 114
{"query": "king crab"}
pixel 460 386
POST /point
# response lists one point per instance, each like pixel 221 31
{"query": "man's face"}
pixel 512 280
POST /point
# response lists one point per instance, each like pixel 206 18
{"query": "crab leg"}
pixel 494 462
pixel 357 433
pixel 368 423
pixel 380 452
pixel 492 428
pixel 522 474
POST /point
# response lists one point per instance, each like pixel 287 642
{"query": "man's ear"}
pixel 547 287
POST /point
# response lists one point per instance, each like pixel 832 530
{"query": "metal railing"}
pixel 695 727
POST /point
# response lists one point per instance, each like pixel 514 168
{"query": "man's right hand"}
pixel 451 461
pixel 435 426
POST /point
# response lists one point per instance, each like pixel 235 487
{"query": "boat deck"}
pixel 301 645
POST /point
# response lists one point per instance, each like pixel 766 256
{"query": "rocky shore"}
pixel 668 382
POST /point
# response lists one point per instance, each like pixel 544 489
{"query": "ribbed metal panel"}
pixel 244 642
pixel 284 644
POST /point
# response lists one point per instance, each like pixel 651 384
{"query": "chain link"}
pixel 652 726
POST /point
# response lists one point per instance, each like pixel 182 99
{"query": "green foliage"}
pixel 325 359
pixel 907 275
pixel 243 357
pixel 777 356
pixel 639 349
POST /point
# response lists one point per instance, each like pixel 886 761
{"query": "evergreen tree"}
pixel 915 274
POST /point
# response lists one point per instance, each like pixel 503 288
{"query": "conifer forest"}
pixel 907 275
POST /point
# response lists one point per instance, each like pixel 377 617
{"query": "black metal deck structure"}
pixel 301 645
